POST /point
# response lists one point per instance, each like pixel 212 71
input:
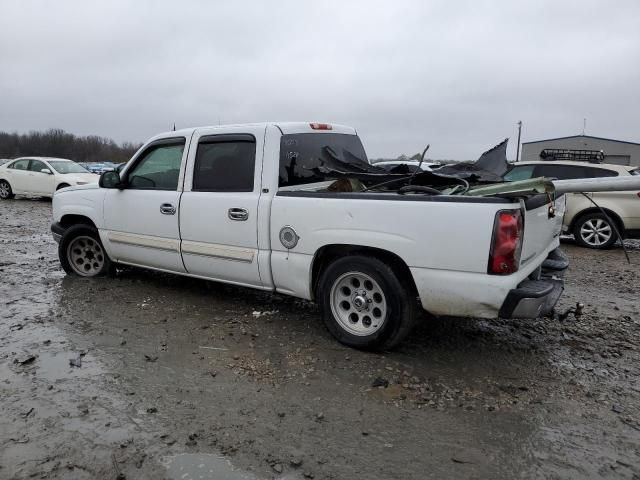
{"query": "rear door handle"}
pixel 167 209
pixel 239 214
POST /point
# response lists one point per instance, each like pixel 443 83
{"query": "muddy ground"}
pixel 184 379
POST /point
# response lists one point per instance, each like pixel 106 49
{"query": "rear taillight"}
pixel 504 257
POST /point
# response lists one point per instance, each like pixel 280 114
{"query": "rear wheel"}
pixel 81 252
pixel 5 190
pixel 366 303
pixel 594 230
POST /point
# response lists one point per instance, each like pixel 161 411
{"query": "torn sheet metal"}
pixel 490 167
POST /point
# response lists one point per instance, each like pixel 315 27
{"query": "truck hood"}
pixel 75 188
pixel 74 178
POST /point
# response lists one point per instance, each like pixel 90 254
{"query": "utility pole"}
pixel 519 132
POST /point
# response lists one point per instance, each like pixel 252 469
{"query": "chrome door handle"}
pixel 239 214
pixel 167 209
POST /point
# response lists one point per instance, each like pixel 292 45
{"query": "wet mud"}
pixel 184 379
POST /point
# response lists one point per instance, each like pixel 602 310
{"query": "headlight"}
pixel 82 183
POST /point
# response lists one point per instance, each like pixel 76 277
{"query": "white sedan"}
pixel 41 176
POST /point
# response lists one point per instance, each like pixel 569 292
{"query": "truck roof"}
pixel 285 127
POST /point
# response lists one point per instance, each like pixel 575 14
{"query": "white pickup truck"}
pixel 251 205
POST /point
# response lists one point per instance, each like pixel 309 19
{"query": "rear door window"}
pixel 561 172
pixel 36 166
pixel 600 172
pixel 302 153
pixel 225 163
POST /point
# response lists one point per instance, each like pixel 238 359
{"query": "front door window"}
pixel 158 169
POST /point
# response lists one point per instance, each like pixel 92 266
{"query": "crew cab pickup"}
pixel 252 205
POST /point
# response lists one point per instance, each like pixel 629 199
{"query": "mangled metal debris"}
pixel 484 177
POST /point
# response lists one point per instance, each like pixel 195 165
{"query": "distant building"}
pixel 583 147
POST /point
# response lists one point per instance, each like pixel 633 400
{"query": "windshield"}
pixel 302 153
pixel 67 167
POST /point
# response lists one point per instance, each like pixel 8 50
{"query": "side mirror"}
pixel 47 171
pixel 110 179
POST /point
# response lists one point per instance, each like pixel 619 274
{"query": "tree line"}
pixel 56 142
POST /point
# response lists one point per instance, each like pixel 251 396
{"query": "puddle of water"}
pixel 55 366
pixel 202 466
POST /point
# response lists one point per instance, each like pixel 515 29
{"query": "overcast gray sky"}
pixel 458 75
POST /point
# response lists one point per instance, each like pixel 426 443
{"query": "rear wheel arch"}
pixel 62 185
pixel 329 253
pixel 588 211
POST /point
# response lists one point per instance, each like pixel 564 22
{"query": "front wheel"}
pixel 81 252
pixel 594 231
pixel 5 190
pixel 366 303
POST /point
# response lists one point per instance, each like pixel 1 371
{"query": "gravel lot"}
pixel 184 379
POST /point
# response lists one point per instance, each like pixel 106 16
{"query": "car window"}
pixel 36 165
pixel 595 172
pixel 561 172
pixel 20 165
pixel 521 172
pixel 635 171
pixel 225 163
pixel 158 168
pixel 65 167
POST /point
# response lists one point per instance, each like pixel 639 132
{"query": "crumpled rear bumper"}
pixel 537 295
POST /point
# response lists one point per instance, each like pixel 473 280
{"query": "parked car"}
pixel 248 205
pixel 41 176
pixel 582 218
pixel 100 167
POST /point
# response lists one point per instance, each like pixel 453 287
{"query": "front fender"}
pixel 82 202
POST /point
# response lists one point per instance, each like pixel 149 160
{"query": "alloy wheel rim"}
pixel 4 189
pixel 596 232
pixel 85 256
pixel 358 303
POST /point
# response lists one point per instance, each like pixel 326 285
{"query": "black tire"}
pixel 398 299
pixel 595 230
pixel 62 185
pixel 82 254
pixel 6 192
